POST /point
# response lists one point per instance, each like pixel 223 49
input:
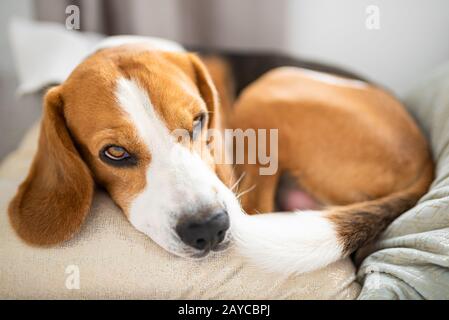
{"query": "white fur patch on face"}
pixel 332 79
pixel 178 181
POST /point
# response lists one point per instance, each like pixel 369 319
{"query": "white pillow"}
pixel 45 53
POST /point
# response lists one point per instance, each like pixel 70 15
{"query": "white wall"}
pixel 9 8
pixel 413 37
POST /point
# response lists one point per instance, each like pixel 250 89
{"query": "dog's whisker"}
pixel 232 176
pixel 238 181
pixel 246 191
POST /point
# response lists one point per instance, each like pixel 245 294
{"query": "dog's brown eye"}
pixel 198 124
pixel 117 156
pixel 116 153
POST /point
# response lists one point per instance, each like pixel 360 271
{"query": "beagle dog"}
pixel 354 158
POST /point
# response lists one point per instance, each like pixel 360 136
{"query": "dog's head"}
pixel 115 122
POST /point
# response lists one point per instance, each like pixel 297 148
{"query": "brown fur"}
pixel 343 144
pixel 221 75
pixel 359 224
pixel 356 148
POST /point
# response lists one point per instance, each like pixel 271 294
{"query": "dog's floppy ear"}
pixel 209 94
pixel 207 90
pixel 53 201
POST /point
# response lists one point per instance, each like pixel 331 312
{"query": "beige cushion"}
pixel 116 261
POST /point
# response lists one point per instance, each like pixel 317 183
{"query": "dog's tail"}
pixel 304 241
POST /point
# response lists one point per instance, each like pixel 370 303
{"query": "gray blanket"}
pixel 411 259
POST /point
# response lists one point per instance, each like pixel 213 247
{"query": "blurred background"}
pixel 407 40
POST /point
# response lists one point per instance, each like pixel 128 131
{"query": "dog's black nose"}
pixel 206 233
